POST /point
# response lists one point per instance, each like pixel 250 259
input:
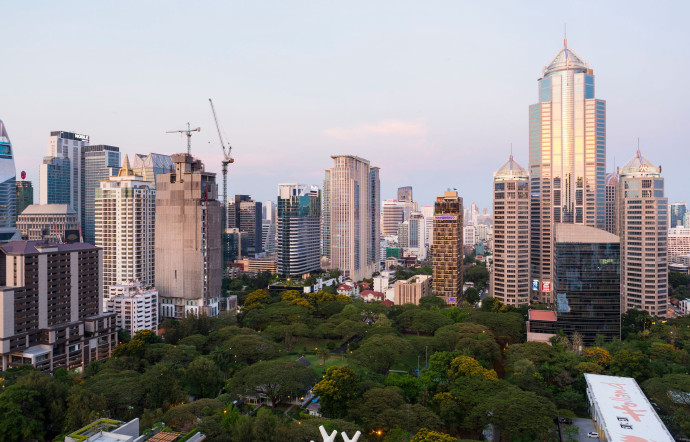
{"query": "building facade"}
pixel 8 188
pixel 510 282
pixel 299 229
pixel 412 290
pixel 52 312
pixel 55 181
pixel 246 214
pixel 643 228
pixel 148 167
pixel 405 194
pixel 611 220
pixel 70 146
pixel 677 212
pixel 678 243
pixel 25 195
pixel 567 159
pixel 392 214
pixel 188 249
pixel 48 222
pixel 587 287
pixel 447 247
pixel 125 215
pixel 99 163
pixel 135 306
pixel 351 222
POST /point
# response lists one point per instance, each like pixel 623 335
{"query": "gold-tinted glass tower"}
pixel 567 160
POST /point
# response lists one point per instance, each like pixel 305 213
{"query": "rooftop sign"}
pixel 453 217
pixel 624 412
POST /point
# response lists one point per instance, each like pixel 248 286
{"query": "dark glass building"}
pixel 586 287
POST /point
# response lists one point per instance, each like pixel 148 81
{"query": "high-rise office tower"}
pixel 151 165
pixel 125 213
pixel 99 162
pixel 268 236
pixel 469 235
pixel 351 222
pixel 188 247
pixel 8 188
pixel 52 315
pixel 417 235
pixel 447 247
pixel 587 286
pixel 567 159
pixel 25 195
pixel 678 211
pixel 393 213
pixel 405 193
pixel 510 281
pixel 55 181
pixel 642 223
pixel 428 213
pixel 246 214
pixel 67 145
pixel 299 229
pixel 610 223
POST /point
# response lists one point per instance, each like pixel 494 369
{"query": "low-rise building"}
pixel 412 290
pixel 621 411
pixel 256 265
pixel 136 307
pixel 371 296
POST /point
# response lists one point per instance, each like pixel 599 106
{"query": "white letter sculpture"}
pixel 326 437
pixel 354 438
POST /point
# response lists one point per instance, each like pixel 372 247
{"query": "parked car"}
pixel 592 434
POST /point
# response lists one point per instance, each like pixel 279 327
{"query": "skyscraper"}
pixel 351 222
pixel 99 162
pixel 567 159
pixel 393 213
pixel 55 181
pixel 299 229
pixel 188 247
pixel 151 165
pixel 125 213
pixel 510 282
pixel 642 223
pixel 25 195
pixel 447 247
pixel 678 211
pixel 246 214
pixel 68 145
pixel 405 193
pixel 8 188
pixel 610 223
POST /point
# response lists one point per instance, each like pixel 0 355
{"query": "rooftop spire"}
pixel 126 169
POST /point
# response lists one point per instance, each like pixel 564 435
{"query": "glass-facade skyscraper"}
pixel 8 188
pixel 99 163
pixel 54 181
pixel 567 160
pixel 298 229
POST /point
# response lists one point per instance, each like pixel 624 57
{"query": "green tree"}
pixel 339 386
pixel 203 378
pixel 250 348
pixel 424 322
pixel 471 295
pixel 410 385
pixel 629 363
pixel 162 386
pixel 275 379
pixel 378 353
pixel 83 408
pixel 426 435
pixel 432 302
pixel 22 414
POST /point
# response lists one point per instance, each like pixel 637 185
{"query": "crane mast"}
pixel 227 159
pixel 188 133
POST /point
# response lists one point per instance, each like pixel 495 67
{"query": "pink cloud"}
pixel 385 128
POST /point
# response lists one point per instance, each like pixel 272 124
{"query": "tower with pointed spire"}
pixel 125 212
pixel 567 160
pixel 510 272
pixel 643 230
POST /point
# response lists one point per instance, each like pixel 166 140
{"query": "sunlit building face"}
pixel 567 159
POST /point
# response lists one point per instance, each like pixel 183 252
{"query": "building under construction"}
pixel 188 247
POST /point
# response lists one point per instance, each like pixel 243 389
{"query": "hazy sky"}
pixel 433 92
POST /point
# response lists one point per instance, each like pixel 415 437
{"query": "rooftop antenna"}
pixel 187 132
pixel 511 151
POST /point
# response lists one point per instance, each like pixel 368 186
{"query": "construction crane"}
pixel 227 159
pixel 187 132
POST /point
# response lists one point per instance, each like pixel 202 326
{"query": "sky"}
pixel 432 92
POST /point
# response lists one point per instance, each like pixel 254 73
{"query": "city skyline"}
pixel 434 89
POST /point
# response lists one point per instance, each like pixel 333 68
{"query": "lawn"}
pixel 316 362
